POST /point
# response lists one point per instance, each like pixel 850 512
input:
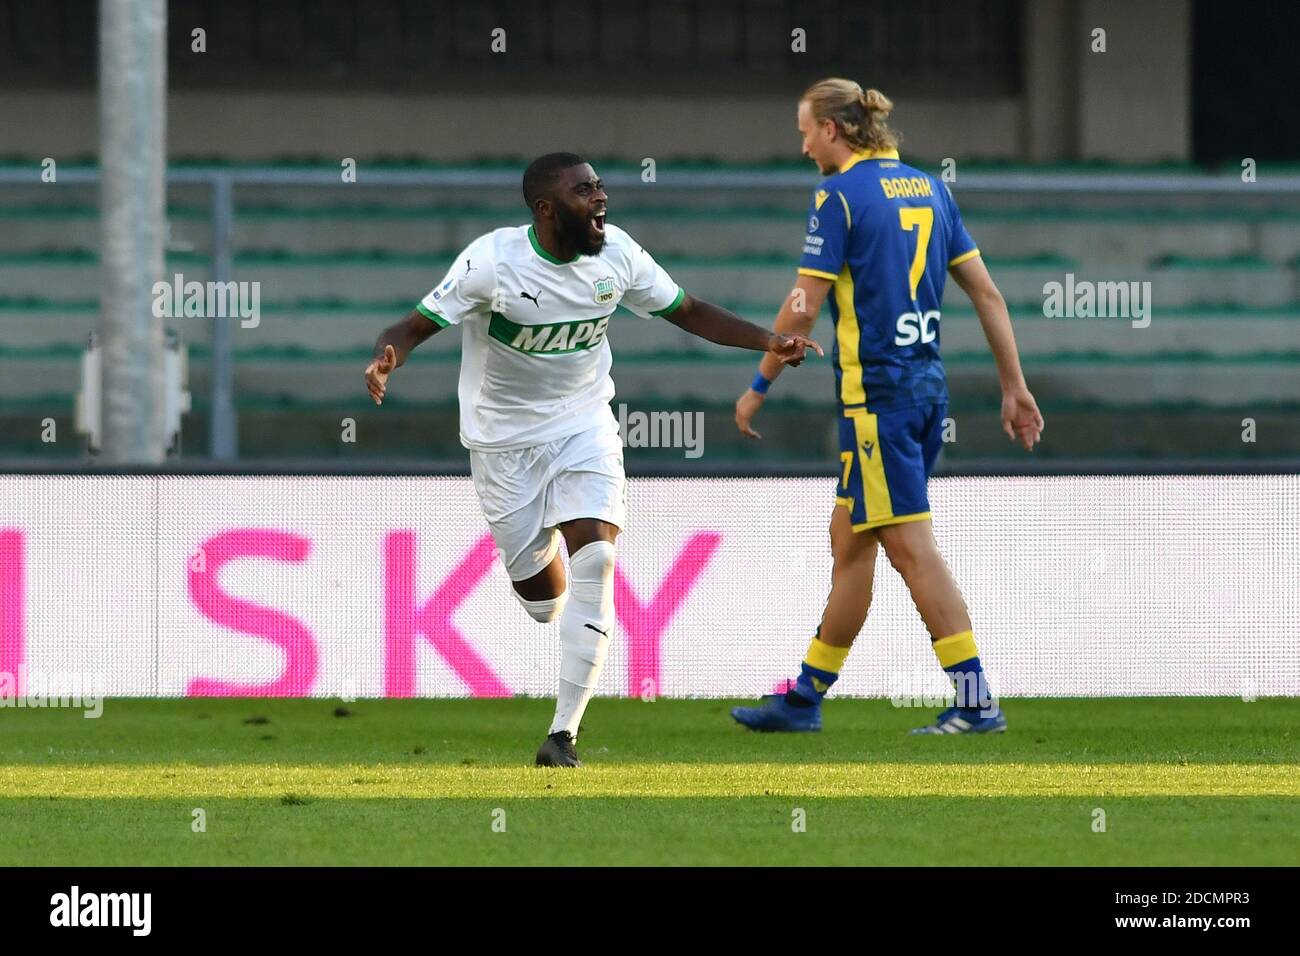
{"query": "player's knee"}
pixel 853 555
pixel 544 611
pixel 591 571
pixel 904 557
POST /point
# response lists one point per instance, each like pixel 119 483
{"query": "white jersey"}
pixel 535 356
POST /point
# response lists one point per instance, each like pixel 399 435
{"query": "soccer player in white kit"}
pixel 535 304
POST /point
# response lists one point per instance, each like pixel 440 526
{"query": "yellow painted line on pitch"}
pixel 651 780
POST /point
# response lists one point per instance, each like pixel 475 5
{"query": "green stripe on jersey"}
pixel 671 306
pixel 556 338
pixel 431 315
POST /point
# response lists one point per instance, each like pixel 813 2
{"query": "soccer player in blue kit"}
pixel 882 238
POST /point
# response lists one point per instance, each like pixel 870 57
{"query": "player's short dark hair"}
pixel 542 172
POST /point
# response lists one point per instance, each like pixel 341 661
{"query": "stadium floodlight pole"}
pixel 223 436
pixel 132 118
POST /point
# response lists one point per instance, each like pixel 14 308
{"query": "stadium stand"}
pixel 334 268
pixel 337 265
pixel 348 78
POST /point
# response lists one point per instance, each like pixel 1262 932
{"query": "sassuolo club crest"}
pixel 605 290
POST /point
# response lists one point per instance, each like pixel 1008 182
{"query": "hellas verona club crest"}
pixel 605 290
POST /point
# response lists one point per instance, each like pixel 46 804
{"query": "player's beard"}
pixel 575 230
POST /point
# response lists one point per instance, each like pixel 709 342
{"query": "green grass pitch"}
pixel 1180 782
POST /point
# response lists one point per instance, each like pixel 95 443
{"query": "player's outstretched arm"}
pixel 717 325
pixel 797 316
pixel 1020 416
pixel 392 348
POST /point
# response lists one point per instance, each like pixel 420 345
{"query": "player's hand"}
pixel 747 407
pixel 790 348
pixel 1021 419
pixel 377 373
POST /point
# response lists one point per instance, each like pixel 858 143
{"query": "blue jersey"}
pixel 885 234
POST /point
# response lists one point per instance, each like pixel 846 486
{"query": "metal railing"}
pixel 222 182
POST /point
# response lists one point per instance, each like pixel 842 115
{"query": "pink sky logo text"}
pixel 415 612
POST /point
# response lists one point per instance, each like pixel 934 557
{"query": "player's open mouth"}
pixel 598 224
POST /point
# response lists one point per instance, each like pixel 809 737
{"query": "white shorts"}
pixel 527 492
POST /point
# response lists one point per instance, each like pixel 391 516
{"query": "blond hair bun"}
pixel 858 114
pixel 874 101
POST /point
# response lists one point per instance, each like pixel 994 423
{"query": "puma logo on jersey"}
pixel 533 298
pixel 555 337
pixel 469 268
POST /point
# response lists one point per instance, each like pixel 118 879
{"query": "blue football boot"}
pixel 775 715
pixel 957 720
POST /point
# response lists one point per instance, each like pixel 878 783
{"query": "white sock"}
pixel 570 704
pixel 586 626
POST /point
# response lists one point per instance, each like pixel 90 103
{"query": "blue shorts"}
pixel 885 461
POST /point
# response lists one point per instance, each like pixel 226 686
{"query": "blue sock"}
pixel 974 699
pixel 811 686
pixel 960 660
pixel 819 670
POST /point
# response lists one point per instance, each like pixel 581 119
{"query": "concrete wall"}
pixel 1051 56
pixel 267 125
pixel 1129 104
pixel 1134 100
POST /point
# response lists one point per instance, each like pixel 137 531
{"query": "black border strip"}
pixel 456 467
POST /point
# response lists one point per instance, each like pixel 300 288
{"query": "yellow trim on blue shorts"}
pixel 875 486
pixel 882 522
